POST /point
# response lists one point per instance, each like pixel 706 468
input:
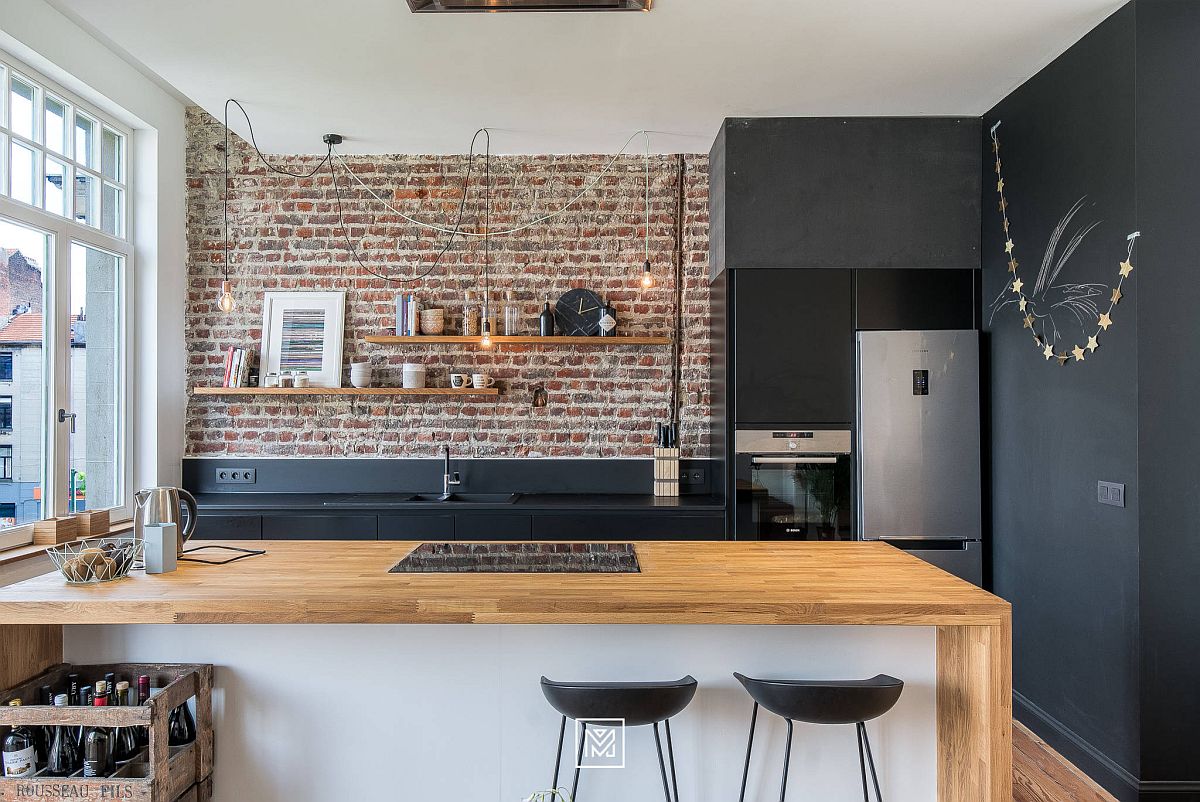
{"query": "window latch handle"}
pixel 62 418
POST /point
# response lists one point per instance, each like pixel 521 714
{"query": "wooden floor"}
pixel 1042 775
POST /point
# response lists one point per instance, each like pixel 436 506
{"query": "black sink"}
pixel 377 500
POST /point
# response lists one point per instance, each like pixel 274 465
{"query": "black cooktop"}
pixel 520 558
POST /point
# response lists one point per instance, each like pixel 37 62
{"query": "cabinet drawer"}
pixel 228 527
pixel 489 526
pixel 416 527
pixel 915 300
pixel 319 527
pixel 628 526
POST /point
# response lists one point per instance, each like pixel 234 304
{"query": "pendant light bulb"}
pixel 225 302
pixel 647 276
pixel 486 340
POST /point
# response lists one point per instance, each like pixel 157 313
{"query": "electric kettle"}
pixel 162 505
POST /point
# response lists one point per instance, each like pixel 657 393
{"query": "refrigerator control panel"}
pixel 920 382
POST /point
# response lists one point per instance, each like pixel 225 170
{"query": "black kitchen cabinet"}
pixel 628 526
pixel 492 526
pixel 416 527
pixel 916 300
pixel 878 192
pixel 316 526
pixel 210 526
pixel 793 347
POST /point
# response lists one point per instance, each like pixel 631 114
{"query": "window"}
pixel 65 261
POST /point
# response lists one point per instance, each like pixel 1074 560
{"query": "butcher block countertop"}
pixel 314 582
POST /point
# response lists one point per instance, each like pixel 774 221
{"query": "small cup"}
pixel 413 375
pixel 360 377
pixel 300 379
pixel 482 381
pixel 460 380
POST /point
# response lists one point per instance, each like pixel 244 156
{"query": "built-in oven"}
pixel 793 484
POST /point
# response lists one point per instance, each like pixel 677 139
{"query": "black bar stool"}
pixel 638 703
pixel 853 701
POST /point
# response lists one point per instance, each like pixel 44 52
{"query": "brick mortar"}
pixel 286 236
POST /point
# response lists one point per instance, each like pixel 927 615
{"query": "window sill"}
pixel 16 555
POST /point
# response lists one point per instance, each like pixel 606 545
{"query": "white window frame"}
pixel 63 231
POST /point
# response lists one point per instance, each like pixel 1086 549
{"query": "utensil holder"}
pixel 666 472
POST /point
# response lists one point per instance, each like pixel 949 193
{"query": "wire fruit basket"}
pixel 103 559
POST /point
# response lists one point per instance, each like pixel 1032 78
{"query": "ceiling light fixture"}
pixel 493 6
pixel 226 303
pixel 486 340
pixel 647 276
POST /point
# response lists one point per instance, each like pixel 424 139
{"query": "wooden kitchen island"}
pixel 725 586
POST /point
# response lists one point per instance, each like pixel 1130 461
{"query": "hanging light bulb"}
pixel 647 276
pixel 226 302
pixel 486 340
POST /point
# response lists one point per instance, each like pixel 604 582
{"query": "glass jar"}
pixel 512 316
pixel 471 311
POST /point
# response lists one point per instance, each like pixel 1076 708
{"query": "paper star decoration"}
pixel 1077 352
pixel 1105 321
pixel 1048 351
pixel 1013 264
pixel 1126 268
pixel 1063 358
pixel 1000 185
pixel 1017 285
pixel 1116 296
pixel 1008 246
pixel 1029 321
pixel 1093 344
pixel 1024 303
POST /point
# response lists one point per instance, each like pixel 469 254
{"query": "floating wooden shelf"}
pixel 598 342
pixel 342 391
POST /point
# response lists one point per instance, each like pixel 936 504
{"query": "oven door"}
pixel 793 497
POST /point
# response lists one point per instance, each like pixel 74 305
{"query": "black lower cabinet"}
pixel 319 527
pixel 490 526
pixel 628 526
pixel 228 527
pixel 416 527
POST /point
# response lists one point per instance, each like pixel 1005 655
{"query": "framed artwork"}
pixel 302 331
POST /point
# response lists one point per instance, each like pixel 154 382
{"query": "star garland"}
pixel 1028 306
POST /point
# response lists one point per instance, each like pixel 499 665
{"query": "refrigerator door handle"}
pixel 794 460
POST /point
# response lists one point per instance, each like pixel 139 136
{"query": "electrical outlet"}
pixel 1111 493
pixel 236 476
pixel 692 476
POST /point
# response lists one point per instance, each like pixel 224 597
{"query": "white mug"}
pixel 482 380
pixel 460 380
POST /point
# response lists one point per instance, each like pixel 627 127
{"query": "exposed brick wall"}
pixel 287 237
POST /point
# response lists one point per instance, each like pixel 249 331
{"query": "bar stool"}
pixel 638 703
pixel 822 702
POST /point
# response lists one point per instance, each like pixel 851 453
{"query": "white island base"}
pixel 412 712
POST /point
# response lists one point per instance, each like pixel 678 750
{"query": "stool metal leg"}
pixel 749 746
pixel 787 754
pixel 578 759
pixel 862 763
pixel 671 759
pixel 562 734
pixel 662 767
pixel 871 761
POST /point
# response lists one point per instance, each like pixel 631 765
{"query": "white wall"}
pixel 39 35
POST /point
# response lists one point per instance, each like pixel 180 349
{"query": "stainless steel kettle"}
pixel 163 505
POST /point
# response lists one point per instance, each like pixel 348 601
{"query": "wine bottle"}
pixel 72 689
pixel 608 320
pixel 125 746
pixel 108 765
pixel 95 753
pixel 546 322
pixel 19 752
pixel 63 760
pixel 143 696
pixel 181 727
pixel 110 688
pixel 85 700
pixel 44 735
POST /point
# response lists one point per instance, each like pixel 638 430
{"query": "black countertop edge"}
pixel 565 502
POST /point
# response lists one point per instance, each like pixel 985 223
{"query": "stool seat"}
pixel 825 701
pixel 639 703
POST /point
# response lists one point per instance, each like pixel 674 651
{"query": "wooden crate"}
pixel 168 774
pixel 53 531
pixel 93 523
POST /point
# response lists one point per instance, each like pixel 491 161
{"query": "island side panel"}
pixel 28 650
pixel 974 713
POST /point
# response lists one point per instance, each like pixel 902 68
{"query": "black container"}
pixel 546 322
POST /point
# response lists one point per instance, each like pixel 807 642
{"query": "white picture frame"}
pixel 303 331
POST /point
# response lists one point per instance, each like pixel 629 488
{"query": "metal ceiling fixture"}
pixel 454 6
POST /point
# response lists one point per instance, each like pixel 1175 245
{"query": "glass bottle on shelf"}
pixel 470 324
pixel 63 759
pixel 19 753
pixel 512 316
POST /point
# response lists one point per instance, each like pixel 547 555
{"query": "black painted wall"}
pixel 1068 565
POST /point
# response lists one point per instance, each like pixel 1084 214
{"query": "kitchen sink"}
pixel 377 500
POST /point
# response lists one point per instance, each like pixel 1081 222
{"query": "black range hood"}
pixel 456 6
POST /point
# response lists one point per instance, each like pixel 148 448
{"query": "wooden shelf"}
pixel 598 342
pixel 302 391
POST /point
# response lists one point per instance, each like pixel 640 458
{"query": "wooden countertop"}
pixel 680 583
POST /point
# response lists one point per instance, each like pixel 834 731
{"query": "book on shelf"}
pixel 237 367
pixel 408 314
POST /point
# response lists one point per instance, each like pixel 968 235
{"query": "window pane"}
pixel 56 125
pixel 23 257
pixel 111 211
pixel 54 194
pixel 85 140
pixel 86 198
pixel 22 102
pixel 95 378
pixel 22 172
pixel 111 146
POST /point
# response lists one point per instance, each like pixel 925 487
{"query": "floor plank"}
pixel 1042 775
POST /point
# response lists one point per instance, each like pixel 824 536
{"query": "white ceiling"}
pixel 396 82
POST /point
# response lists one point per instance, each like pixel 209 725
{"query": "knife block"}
pixel 666 472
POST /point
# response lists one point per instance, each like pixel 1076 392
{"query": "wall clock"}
pixel 577 313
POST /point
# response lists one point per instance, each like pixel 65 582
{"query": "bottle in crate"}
pixel 63 760
pixel 20 752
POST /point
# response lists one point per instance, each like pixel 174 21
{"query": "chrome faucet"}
pixel 448 479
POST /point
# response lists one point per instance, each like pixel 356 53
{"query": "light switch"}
pixel 1111 493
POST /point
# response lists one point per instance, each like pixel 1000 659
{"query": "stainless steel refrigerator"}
pixel 918 445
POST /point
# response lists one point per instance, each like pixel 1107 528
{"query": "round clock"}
pixel 577 313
